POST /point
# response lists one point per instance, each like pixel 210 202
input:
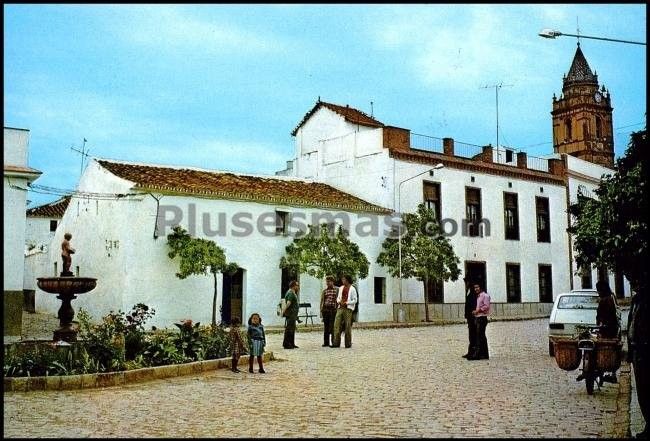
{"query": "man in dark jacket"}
pixel 470 305
pixel 638 340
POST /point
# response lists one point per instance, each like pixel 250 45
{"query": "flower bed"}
pixel 108 379
pixel 118 343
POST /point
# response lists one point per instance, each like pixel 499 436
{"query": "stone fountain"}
pixel 66 287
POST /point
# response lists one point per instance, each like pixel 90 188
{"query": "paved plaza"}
pixel 404 382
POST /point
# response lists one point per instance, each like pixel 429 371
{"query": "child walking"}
pixel 257 341
pixel 236 343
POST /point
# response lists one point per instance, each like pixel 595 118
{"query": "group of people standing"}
pixel 337 306
pixel 477 309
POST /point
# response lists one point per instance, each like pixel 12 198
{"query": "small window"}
pixel 513 283
pixel 509 155
pixel 281 218
pixel 543 219
pixel 545 284
pixel 432 197
pixel 380 289
pixel 53 224
pixel 599 127
pixel 567 130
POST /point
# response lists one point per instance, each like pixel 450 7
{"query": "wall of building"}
pixel 37 231
pixel 115 244
pixel 584 177
pixel 16 143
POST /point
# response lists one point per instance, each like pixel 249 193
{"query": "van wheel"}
pixel 551 349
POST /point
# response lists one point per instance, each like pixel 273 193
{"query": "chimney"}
pixel 522 160
pixel 448 146
pixel 556 167
pixel 486 155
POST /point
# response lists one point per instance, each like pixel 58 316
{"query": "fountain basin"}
pixel 66 285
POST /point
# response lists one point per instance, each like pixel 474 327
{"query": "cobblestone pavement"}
pixel 408 382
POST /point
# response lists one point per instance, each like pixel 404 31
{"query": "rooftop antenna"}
pixel 371 110
pixel 84 154
pixel 496 89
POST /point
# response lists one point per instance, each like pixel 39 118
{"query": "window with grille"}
pixel 513 283
pixel 53 224
pixel 435 291
pixel 543 225
pixel 432 197
pixel 511 216
pixel 545 284
pixel 585 278
pixel 473 210
pixel 281 222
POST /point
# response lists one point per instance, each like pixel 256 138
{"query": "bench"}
pixel 307 315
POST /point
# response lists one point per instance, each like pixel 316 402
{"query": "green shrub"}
pixel 215 342
pixel 161 347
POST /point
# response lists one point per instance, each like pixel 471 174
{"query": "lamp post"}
pixel 400 311
pixel 550 33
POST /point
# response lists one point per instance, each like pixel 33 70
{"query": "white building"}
pixel 118 240
pixel 41 225
pixel 506 214
pixel 17 175
pixel 522 267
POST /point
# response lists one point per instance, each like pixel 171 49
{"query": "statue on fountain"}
pixel 66 251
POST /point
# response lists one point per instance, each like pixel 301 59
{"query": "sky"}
pixel 223 86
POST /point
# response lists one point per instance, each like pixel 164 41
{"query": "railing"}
pixel 465 150
pixel 473 151
pixel 535 163
pixel 428 143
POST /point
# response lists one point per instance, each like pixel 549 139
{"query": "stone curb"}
pixel 302 327
pixel 623 398
pixel 108 379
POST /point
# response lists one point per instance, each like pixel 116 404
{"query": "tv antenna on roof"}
pixel 496 89
pixel 84 154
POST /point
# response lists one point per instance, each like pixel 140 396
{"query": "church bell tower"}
pixel 582 116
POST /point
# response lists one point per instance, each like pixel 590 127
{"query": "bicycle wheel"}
pixel 589 372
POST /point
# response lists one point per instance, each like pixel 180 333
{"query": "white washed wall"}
pixel 139 270
pixel 37 231
pixel 15 147
pixel 101 232
pixel 14 232
pixel 16 142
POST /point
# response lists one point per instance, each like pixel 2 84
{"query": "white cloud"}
pixel 173 27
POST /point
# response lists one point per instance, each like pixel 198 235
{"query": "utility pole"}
pixel 84 154
pixel 496 90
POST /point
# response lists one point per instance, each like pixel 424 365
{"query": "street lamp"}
pixel 400 311
pixel 550 33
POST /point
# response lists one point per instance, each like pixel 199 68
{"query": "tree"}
pixel 319 253
pixel 426 253
pixel 200 257
pixel 612 229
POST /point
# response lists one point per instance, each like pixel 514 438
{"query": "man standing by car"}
pixel 470 305
pixel 607 319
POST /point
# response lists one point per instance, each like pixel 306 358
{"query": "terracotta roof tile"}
pixel 222 185
pixel 53 209
pixel 350 114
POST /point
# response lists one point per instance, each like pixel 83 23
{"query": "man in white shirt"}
pixel 346 300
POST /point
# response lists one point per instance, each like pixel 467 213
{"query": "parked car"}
pixel 577 307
